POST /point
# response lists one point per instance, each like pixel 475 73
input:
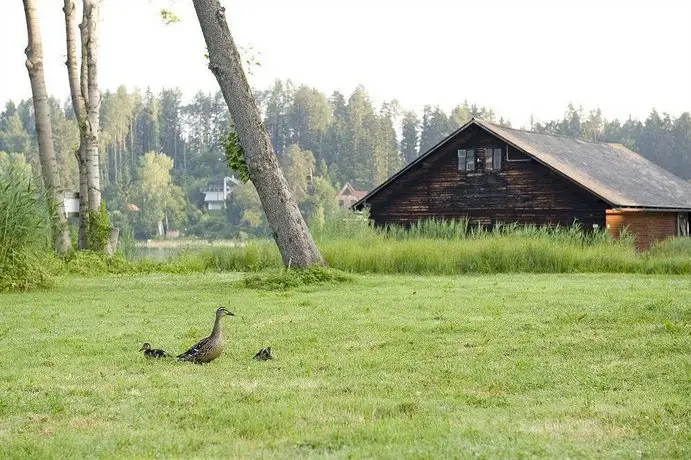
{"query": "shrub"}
pixel 296 277
pixel 24 234
pixel 99 228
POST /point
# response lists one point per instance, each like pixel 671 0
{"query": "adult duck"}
pixel 208 348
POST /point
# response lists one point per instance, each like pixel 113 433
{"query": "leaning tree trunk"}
pixel 289 228
pixel 44 130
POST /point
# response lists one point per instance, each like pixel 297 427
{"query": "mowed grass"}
pixel 590 366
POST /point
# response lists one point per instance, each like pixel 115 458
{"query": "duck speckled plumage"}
pixel 208 348
pixel 153 352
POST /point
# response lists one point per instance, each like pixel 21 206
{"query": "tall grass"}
pixel 434 246
pixel 351 244
pixel 24 233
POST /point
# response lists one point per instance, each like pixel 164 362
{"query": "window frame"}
pixel 496 160
pixel 475 159
pixel 470 160
pixel 461 163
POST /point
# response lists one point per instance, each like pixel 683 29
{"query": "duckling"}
pixel 153 352
pixel 264 354
pixel 208 348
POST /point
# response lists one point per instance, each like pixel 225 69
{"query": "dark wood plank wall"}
pixel 524 191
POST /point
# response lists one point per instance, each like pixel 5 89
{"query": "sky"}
pixel 519 57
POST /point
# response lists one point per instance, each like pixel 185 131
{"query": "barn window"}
pixel 480 159
pixel 497 158
pixel 461 159
pixel 488 159
pixel 492 159
pixel 466 160
pixel 470 160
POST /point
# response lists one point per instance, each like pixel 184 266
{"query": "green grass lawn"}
pixel 386 367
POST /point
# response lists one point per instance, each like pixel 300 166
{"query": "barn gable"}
pixel 477 175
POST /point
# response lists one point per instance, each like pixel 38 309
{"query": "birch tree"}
pixel 44 131
pixel 86 100
pixel 288 227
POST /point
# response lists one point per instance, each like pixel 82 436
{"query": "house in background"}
pixel 216 193
pixel 492 174
pixel 349 195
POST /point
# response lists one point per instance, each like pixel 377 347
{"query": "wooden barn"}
pixel 489 173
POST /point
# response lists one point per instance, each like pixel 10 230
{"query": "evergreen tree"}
pixel 612 131
pixel 335 144
pixel 169 125
pixel 387 159
pixel 358 161
pixel 410 136
pixel 150 128
pixel 682 145
pixel 13 137
pixel 435 127
pixel 65 143
pixel 25 110
pixel 278 100
pixel 309 118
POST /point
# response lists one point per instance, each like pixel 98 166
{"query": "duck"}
pixel 208 348
pixel 264 354
pixel 153 352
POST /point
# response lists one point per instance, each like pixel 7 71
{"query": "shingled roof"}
pixel 617 175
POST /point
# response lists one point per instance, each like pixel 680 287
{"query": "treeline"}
pixel 321 140
pixel 348 136
pixel 662 139
pixel 351 138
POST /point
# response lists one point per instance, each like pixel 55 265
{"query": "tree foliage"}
pixel 348 139
pixel 158 198
pixel 299 168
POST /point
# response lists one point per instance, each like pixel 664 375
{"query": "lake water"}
pixel 163 252
pixel 157 254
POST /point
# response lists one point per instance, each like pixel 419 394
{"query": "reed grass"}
pixel 24 233
pixel 430 247
pixel 453 247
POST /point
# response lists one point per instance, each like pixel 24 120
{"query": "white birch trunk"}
pixel 86 100
pixel 93 103
pixel 83 241
pixel 289 228
pixel 44 130
pixel 76 74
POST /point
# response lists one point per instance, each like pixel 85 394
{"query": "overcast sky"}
pixel 519 57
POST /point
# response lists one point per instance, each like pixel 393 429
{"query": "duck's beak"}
pixel 142 348
pixel 230 313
